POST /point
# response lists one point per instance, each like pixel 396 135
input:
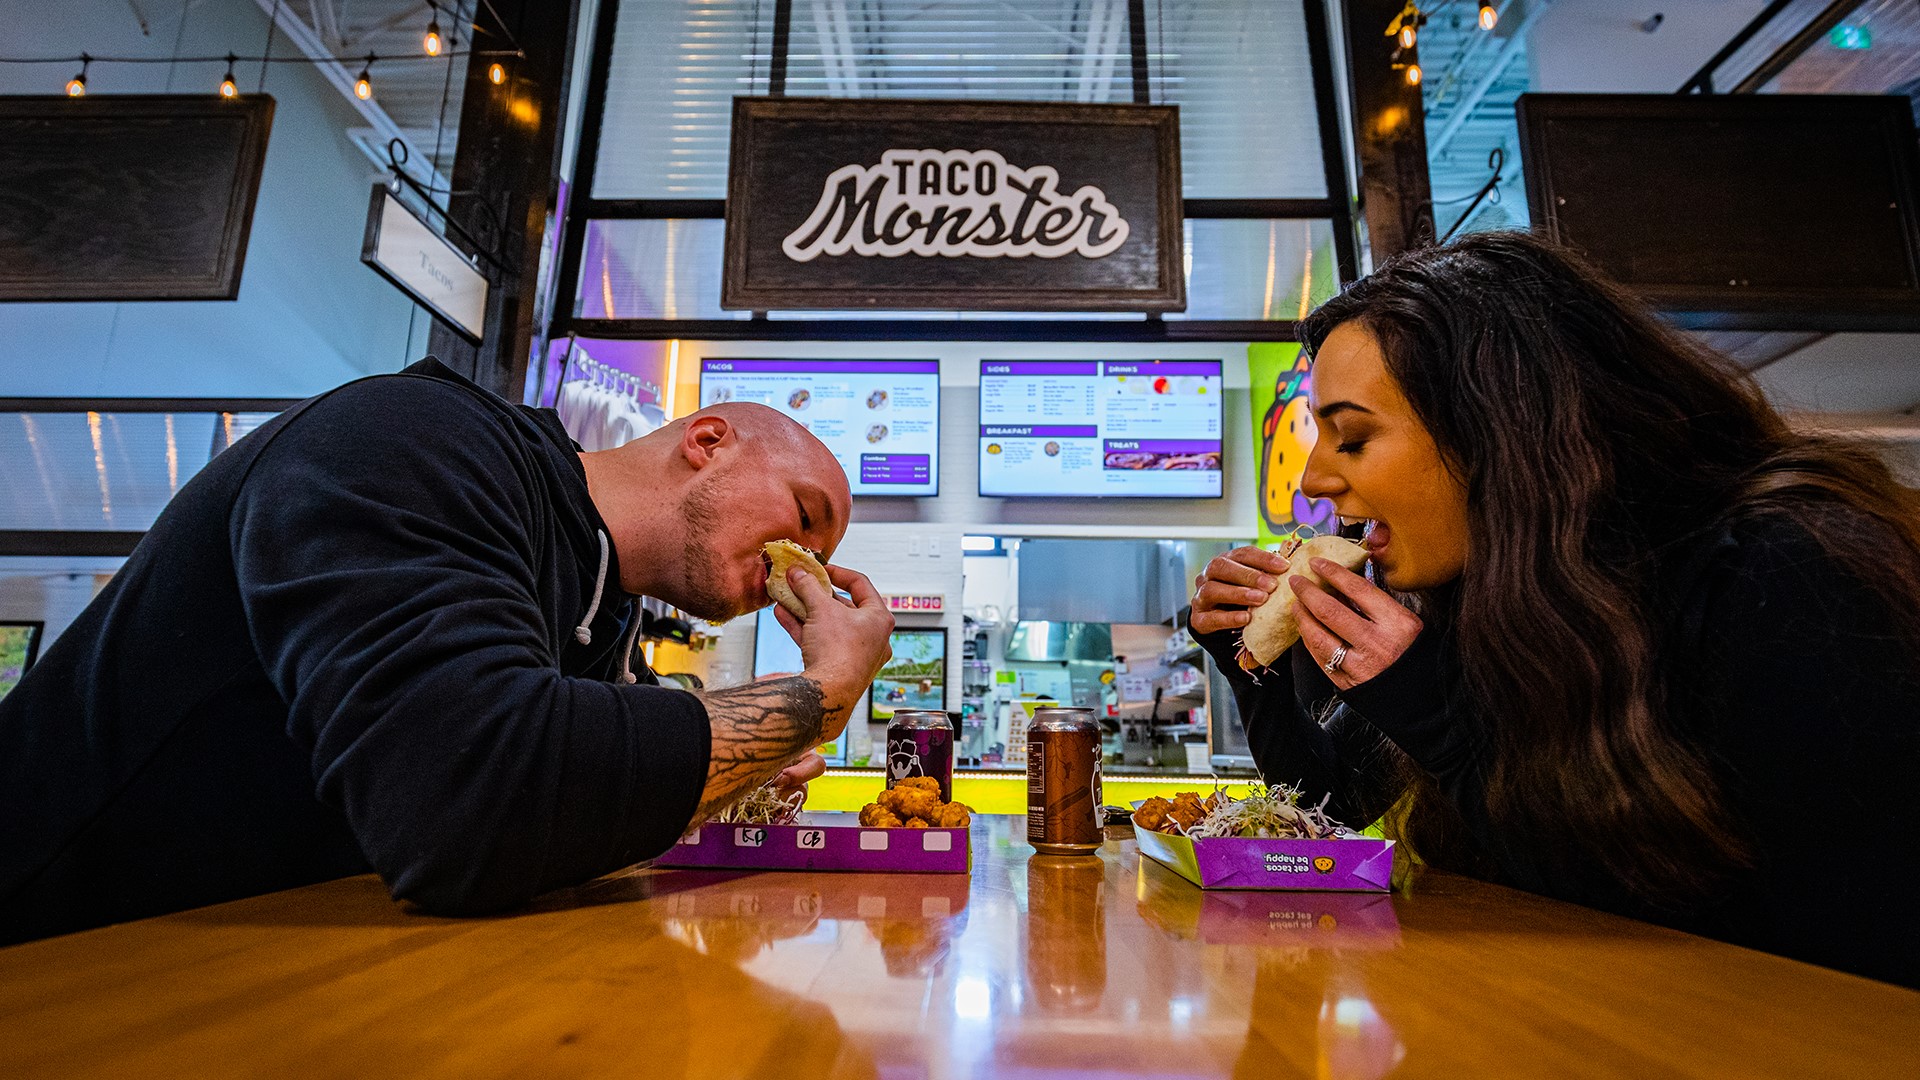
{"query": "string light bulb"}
pixel 432 41
pixel 77 86
pixel 229 88
pixel 1488 16
pixel 1413 74
pixel 363 86
pixel 1408 36
pixel 496 73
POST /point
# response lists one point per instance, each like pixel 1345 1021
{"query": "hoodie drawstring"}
pixel 580 633
pixel 584 635
pixel 626 653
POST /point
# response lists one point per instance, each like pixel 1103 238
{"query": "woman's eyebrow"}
pixel 1334 408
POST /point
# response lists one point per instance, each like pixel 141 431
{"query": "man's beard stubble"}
pixel 701 592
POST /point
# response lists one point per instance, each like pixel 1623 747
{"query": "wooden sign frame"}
pixel 101 199
pixel 1131 152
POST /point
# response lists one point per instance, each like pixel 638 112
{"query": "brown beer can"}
pixel 1063 782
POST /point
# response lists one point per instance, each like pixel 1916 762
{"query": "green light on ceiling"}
pixel 1850 37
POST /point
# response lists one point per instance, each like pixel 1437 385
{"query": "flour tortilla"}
pixel 1275 626
pixel 784 555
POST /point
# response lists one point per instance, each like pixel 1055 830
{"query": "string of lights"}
pixel 77 86
pixel 434 44
pixel 1406 27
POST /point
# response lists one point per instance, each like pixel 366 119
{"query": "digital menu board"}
pixel 881 418
pixel 1134 428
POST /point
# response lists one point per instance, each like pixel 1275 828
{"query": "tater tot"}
pixel 952 816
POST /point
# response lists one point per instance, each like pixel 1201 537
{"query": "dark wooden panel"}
pixel 1779 206
pixel 134 197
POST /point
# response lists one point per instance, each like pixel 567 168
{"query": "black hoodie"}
pixel 1793 680
pixel 353 642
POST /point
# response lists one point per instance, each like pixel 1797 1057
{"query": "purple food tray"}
pixel 1357 865
pixel 823 841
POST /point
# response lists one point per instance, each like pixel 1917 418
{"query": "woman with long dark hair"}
pixel 1641 645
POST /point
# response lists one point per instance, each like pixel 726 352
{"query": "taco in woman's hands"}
pixel 1275 625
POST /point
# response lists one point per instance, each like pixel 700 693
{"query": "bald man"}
pixel 392 630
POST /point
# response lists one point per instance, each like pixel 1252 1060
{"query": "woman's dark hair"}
pixel 1592 438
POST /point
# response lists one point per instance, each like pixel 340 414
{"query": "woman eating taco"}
pixel 1631 640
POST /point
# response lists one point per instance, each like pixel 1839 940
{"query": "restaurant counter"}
pixel 1003 791
pixel 1031 966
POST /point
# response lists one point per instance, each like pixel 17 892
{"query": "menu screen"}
pixel 881 418
pixel 1138 428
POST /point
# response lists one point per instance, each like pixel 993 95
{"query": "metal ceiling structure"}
pixel 418 101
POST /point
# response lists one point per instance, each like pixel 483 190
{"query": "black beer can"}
pixel 1063 782
pixel 920 743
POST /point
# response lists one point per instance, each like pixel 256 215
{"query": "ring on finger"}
pixel 1339 657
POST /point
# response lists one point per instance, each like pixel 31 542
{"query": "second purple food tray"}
pixel 822 841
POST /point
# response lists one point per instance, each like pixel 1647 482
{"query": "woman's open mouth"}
pixel 1371 533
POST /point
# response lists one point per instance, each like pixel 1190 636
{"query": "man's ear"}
pixel 703 436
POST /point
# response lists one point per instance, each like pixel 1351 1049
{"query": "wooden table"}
pixel 1030 967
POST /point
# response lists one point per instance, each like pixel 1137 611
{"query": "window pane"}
pixel 105 471
pixel 660 269
pixel 1258 269
pixel 1241 74
pixel 654 269
pixel 676 68
pixel 1238 69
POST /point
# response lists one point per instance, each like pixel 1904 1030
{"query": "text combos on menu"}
pixel 1135 428
pixel 881 418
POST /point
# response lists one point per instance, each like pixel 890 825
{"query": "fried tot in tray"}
pixel 1152 814
pixel 952 815
pixel 914 803
pixel 1185 810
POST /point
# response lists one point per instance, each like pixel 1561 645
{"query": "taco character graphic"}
pixel 1323 863
pixel 1287 436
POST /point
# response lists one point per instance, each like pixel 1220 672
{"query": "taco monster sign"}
pixel 904 205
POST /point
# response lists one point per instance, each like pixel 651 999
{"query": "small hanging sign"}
pixel 421 263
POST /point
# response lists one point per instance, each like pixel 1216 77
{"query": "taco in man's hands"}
pixel 1275 625
pixel 782 556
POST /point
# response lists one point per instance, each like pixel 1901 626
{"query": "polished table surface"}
pixel 1031 966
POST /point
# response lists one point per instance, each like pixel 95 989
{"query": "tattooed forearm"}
pixel 759 729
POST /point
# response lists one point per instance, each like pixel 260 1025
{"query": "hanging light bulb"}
pixel 363 86
pixel 496 73
pixel 432 42
pixel 77 86
pixel 1407 36
pixel 1413 74
pixel 229 88
pixel 1488 16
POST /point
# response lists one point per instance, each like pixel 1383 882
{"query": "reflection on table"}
pixel 1032 965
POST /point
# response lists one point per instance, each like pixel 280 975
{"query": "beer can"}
pixel 1063 782
pixel 920 743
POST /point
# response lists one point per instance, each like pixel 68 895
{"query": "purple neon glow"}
pixel 725 366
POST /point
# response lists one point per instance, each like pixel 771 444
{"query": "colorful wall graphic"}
pixel 1283 429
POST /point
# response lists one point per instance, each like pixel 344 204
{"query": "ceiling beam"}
pixel 326 22
pixel 310 44
pixel 1509 49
